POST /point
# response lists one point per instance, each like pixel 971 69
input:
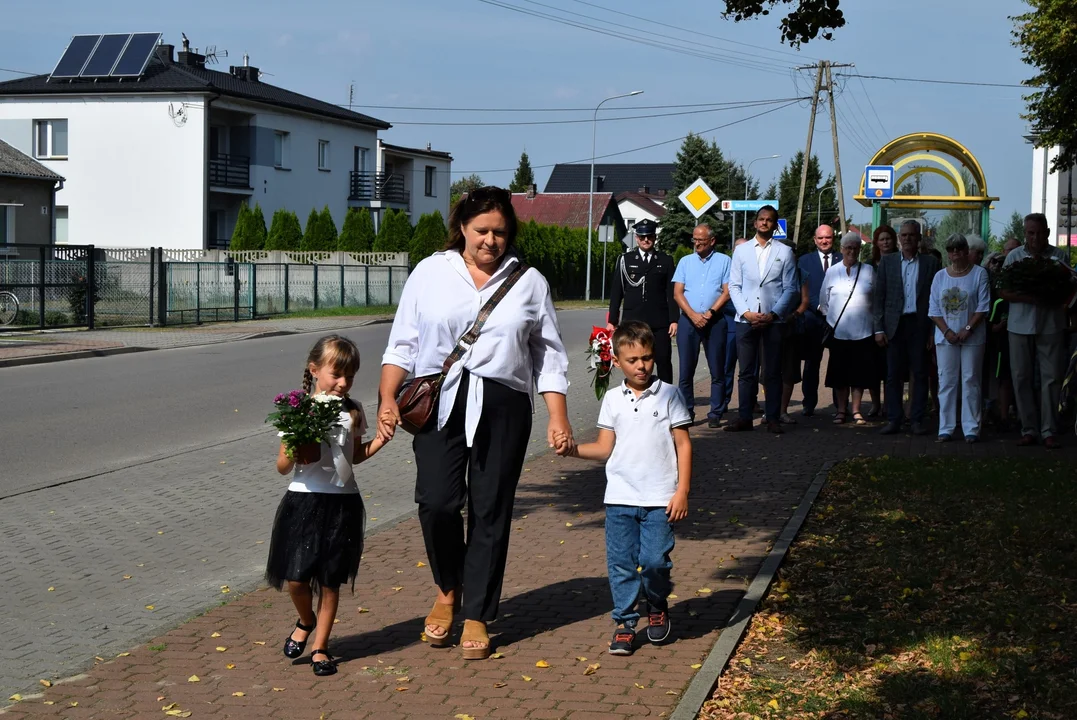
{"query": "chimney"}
pixel 190 59
pixel 245 71
pixel 164 53
pixel 532 191
pixel 662 193
pixel 644 189
pixel 428 146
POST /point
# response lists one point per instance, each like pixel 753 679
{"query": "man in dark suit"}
pixel 902 289
pixel 813 267
pixel 643 280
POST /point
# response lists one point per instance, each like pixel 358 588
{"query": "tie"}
pixel 646 258
pixel 826 263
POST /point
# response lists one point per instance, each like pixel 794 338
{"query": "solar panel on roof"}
pixel 136 56
pixel 105 56
pixel 75 56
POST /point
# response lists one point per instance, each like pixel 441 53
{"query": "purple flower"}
pixel 293 400
pixel 279 399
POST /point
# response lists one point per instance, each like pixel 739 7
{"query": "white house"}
pixel 423 176
pixel 1051 194
pixel 166 156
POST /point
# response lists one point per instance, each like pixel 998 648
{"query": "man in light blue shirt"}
pixel 701 290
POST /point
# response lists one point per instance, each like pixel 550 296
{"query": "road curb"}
pixel 699 690
pixel 74 355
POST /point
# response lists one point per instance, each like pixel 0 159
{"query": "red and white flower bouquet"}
pixel 600 353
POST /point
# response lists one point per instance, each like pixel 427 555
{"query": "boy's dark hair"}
pixel 633 332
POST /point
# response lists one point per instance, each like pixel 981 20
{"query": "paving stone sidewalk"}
pixel 62 344
pixel 555 606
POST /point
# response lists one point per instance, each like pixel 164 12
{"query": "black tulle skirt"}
pixel 317 538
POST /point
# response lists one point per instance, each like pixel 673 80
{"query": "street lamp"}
pixel 818 204
pixel 746 177
pixel 591 188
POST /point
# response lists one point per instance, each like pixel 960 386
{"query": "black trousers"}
pixel 663 354
pixel 485 476
pixel 906 354
pixel 812 347
pixel 755 345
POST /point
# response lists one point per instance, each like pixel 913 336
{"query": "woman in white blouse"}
pixel 959 302
pixel 845 301
pixel 473 448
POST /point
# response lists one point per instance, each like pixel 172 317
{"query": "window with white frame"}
pixel 61 226
pixel 431 176
pixel 50 139
pixel 323 154
pixel 280 149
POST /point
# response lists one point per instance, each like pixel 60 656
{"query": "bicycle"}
pixel 9 307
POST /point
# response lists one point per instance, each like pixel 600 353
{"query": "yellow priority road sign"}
pixel 698 197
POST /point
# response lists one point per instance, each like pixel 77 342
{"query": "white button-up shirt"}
pixel 838 288
pixel 825 260
pixel 910 274
pixel 762 256
pixel 519 346
pixel 1031 319
pixel 642 471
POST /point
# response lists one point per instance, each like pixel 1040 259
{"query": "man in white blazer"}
pixel 764 289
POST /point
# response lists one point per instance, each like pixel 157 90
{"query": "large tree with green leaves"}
pixel 1046 36
pixel 524 177
pixel 804 22
pixel 463 185
pixel 820 205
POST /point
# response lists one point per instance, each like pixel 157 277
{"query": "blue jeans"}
pixel 638 537
pixel 712 337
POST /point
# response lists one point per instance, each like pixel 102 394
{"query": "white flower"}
pixel 324 398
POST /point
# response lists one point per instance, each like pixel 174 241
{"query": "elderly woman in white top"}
pixel 473 448
pixel 959 302
pixel 845 301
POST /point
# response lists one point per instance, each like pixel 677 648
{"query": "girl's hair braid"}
pixel 308 380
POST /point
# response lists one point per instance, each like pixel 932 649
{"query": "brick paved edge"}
pixel 699 690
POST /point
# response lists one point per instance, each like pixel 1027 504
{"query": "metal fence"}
pixel 149 287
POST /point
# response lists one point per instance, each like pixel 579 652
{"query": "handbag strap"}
pixel 855 280
pixel 468 339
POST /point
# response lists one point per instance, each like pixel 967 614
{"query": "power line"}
pixel 640 41
pixel 872 105
pixel 535 110
pixel 18 72
pixel 696 32
pixel 935 82
pixel 637 149
pixel 774 63
pixel 756 103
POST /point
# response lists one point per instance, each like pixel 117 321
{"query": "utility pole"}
pixel 807 151
pixel 834 135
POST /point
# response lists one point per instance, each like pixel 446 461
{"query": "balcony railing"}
pixel 378 186
pixel 233 171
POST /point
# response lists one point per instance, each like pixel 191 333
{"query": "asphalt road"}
pixel 72 420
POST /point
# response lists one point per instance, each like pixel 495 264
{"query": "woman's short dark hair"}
pixel 475 203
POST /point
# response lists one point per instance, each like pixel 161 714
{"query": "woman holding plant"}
pixel 472 448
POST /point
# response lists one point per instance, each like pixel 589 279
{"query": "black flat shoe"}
pixel 294 648
pixel 323 667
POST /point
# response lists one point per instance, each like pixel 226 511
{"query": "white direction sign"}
pixel 879 182
pixel 698 198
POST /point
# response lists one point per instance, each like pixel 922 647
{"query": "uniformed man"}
pixel 643 279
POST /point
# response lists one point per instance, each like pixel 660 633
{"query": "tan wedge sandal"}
pixel 475 631
pixel 442 616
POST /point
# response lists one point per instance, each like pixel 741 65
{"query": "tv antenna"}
pixel 212 54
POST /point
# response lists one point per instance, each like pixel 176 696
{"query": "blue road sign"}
pixel 781 233
pixel 879 182
pixel 747 205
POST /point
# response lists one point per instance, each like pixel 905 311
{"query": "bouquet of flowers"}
pixel 600 353
pixel 304 421
pixel 1044 278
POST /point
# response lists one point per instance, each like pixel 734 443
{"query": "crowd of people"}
pixel 477 332
pixel 969 352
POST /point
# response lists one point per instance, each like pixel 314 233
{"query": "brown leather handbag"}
pixel 418 397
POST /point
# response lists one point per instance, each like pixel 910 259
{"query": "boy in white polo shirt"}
pixel 643 434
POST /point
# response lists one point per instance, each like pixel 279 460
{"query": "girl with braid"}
pixel 318 532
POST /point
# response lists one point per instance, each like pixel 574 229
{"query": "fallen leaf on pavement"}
pixel 126 577
pixel 638 685
pixel 46 683
pixel 123 654
pixel 401 689
pixel 278 689
pixel 51 589
pixel 398 588
pixel 221 648
pixel 193 678
pixel 149 607
pixel 420 564
pixel 259 642
pixel 230 666
pixel 238 694
pixel 671 692
pixel 526 678
pixel 581 658
pixel 592 669
pixel 179 713
pixel 170 706
pixel 16 697
pixel 697 666
pixel 542 664
pixel 500 684
pixel 462 716
pixel 773 704
pixel 364 610
pixel 496 656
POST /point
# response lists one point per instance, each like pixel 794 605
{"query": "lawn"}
pixel 930 588
pixel 341 312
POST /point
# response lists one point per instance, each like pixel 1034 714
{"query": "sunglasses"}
pixel 490 192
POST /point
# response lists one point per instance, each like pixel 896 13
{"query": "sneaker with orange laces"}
pixel 658 626
pixel 624 638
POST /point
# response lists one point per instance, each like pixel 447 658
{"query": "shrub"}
pixel 430 236
pixel 56 318
pixel 250 230
pixel 285 232
pixel 357 235
pixel 314 235
pixel 394 234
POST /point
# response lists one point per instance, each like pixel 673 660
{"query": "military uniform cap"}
pixel 646 227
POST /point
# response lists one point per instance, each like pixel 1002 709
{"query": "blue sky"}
pixel 470 54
